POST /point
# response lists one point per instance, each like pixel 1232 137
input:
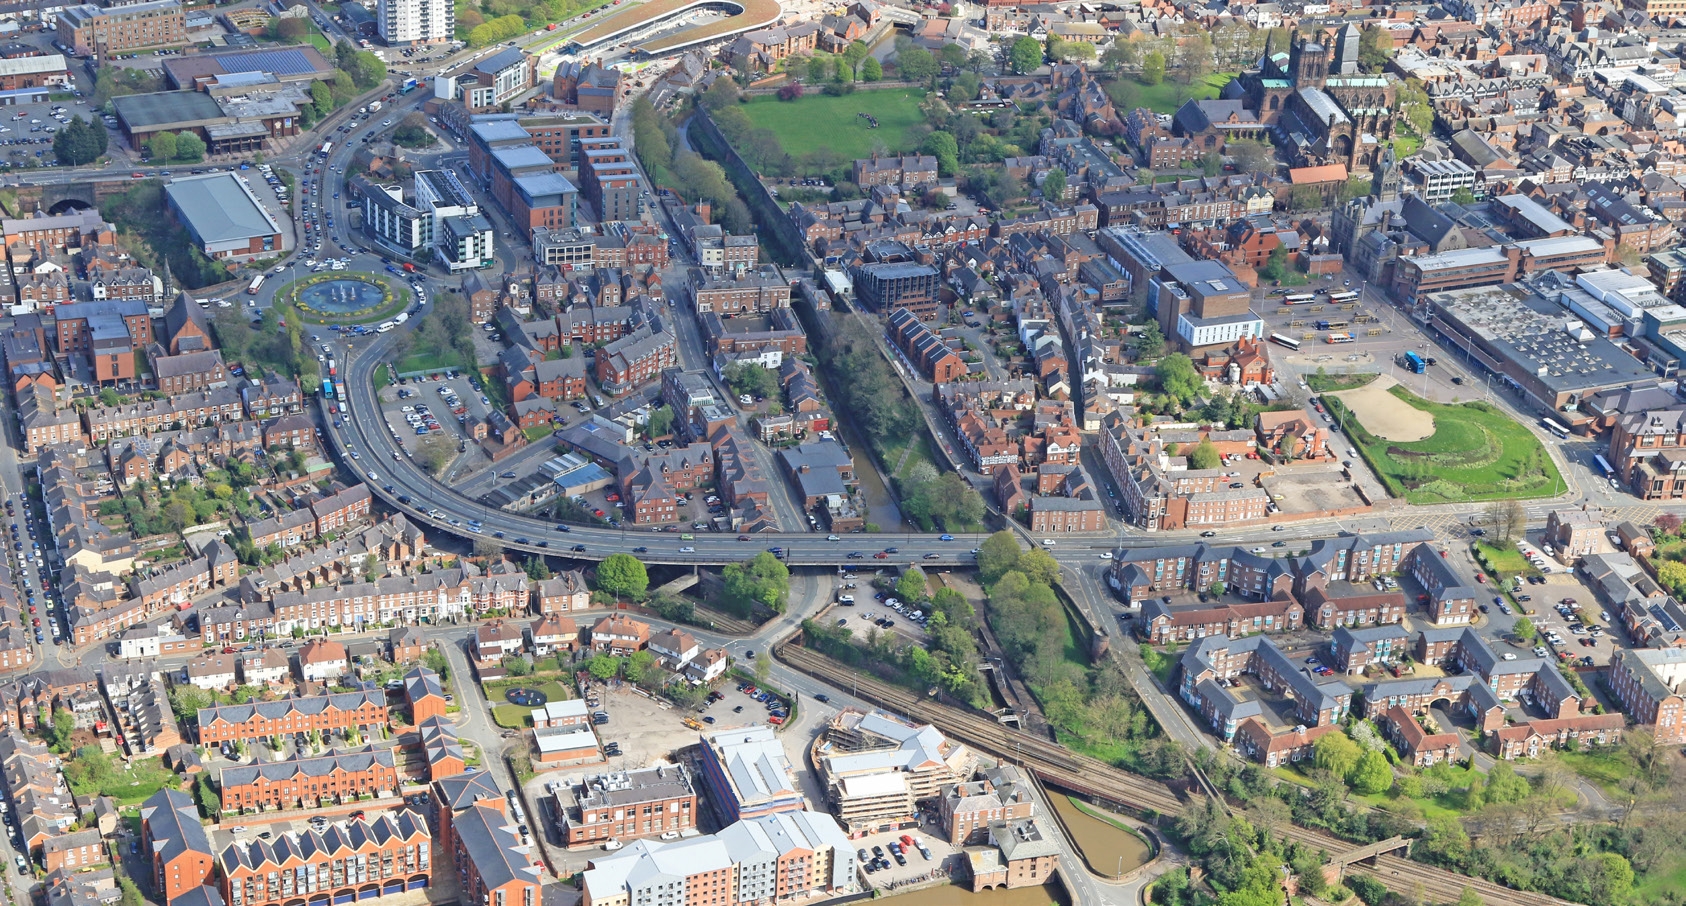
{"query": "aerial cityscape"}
pixel 706 452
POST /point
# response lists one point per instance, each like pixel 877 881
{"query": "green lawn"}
pixel 1605 768
pixel 1475 453
pixel 1167 96
pixel 428 361
pixel 510 717
pixel 1334 383
pixel 1507 561
pixel 1670 879
pixel 818 120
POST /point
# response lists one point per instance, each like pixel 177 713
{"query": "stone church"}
pixel 1320 107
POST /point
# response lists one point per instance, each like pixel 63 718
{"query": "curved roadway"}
pixel 391 473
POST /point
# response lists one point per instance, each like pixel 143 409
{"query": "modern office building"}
pixel 441 215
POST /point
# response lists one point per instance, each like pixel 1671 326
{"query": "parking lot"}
pixel 880 868
pixel 27 130
pixel 418 408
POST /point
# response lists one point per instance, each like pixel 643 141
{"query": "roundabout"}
pixel 341 298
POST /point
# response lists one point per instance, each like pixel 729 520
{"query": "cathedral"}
pixel 1320 107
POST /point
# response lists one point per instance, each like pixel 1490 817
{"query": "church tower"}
pixel 1308 63
pixel 1387 177
pixel 1346 50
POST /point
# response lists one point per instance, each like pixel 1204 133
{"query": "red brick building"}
pixel 227 723
pixel 307 782
pixel 388 855
pixel 177 843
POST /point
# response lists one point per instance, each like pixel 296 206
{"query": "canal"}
pixel 1108 849
pixel 955 895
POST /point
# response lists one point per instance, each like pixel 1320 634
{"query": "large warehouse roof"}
pixel 138 111
pixel 218 208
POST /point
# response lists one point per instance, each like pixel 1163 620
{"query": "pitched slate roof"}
pixel 321 766
pixel 494 847
pixel 173 821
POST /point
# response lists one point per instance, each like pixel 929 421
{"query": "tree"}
pixel 1150 341
pixel 763 667
pixel 750 379
pixel 660 422
pixel 210 804
pixel 1524 631
pixel 1177 378
pixel 536 569
pixel 1075 50
pixel 623 576
pixel 1372 774
pixel 1053 185
pixel 1153 68
pixel 79 143
pixel 1462 195
pixel 953 55
pixel 998 554
pixel 1375 46
pixel 290 30
pixel 162 146
pixel 941 145
pixel 1251 156
pixel 764 581
pixel 1039 566
pixel 1412 101
pixel 871 70
pixel 853 55
pixel 1336 753
pixel 1275 264
pixel 1470 898
pixel 433 453
pixel 915 63
pixel 1204 455
pixel 64 724
pixel 412 131
pixel 190 148
pixel 1508 521
pixel 1671 574
pixel 913 586
pixel 722 94
pixel 1026 55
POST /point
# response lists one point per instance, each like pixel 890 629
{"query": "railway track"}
pixel 1062 767
pixel 1050 760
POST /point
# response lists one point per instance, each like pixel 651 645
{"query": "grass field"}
pixel 1167 96
pixel 1603 767
pixel 1475 453
pixel 817 120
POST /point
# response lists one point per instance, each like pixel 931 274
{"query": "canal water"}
pixel 1107 850
pixel 955 895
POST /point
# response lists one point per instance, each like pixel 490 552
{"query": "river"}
pixel 1106 849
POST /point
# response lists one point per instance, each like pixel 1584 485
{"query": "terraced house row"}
pixel 339 711
pixel 307 782
pixel 355 860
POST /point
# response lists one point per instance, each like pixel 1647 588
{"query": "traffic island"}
pixel 344 298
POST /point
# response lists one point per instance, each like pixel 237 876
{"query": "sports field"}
pixel 1475 452
pixel 814 120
